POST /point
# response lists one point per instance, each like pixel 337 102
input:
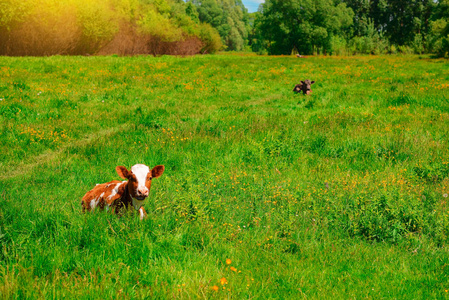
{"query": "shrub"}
pixel 405 49
pixel 210 38
pixel 49 27
pixel 439 42
pixel 418 44
pixel 338 45
pixel 41 30
pixel 158 26
pixel 98 25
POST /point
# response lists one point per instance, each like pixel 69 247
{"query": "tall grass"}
pixel 266 194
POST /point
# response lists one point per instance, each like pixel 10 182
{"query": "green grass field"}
pixel 266 194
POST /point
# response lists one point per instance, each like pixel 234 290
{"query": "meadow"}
pixel 266 194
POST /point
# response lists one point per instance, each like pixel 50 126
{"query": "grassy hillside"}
pixel 266 194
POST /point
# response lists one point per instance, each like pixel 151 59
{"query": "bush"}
pixel 418 44
pixel 338 45
pixel 439 41
pixel 41 30
pixel 98 25
pixel 159 27
pixel 210 38
pixel 368 45
pixel 441 46
pixel 393 49
pixel 405 49
pixel 49 27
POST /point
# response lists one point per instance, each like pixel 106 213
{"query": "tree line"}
pixel 351 26
pixel 127 27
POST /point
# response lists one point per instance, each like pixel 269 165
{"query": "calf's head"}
pixel 139 179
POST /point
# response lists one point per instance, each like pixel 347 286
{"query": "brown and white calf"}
pixel 119 195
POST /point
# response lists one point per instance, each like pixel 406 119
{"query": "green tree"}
pixel 440 29
pixel 303 25
pixel 192 12
pixel 229 17
pixel 406 19
pixel 256 39
pixel 401 22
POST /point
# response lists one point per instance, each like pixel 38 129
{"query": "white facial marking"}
pixel 141 172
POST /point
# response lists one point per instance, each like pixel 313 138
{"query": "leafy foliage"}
pixel 229 17
pixel 127 27
pixel 440 29
pixel 350 26
pixel 305 26
pixel 46 27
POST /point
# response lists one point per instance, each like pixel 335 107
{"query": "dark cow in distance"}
pixel 305 87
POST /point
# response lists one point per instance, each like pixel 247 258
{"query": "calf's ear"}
pixel 122 172
pixel 312 82
pixel 157 171
pixel 302 82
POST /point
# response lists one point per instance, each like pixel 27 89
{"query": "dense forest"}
pixel 351 26
pixel 127 27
